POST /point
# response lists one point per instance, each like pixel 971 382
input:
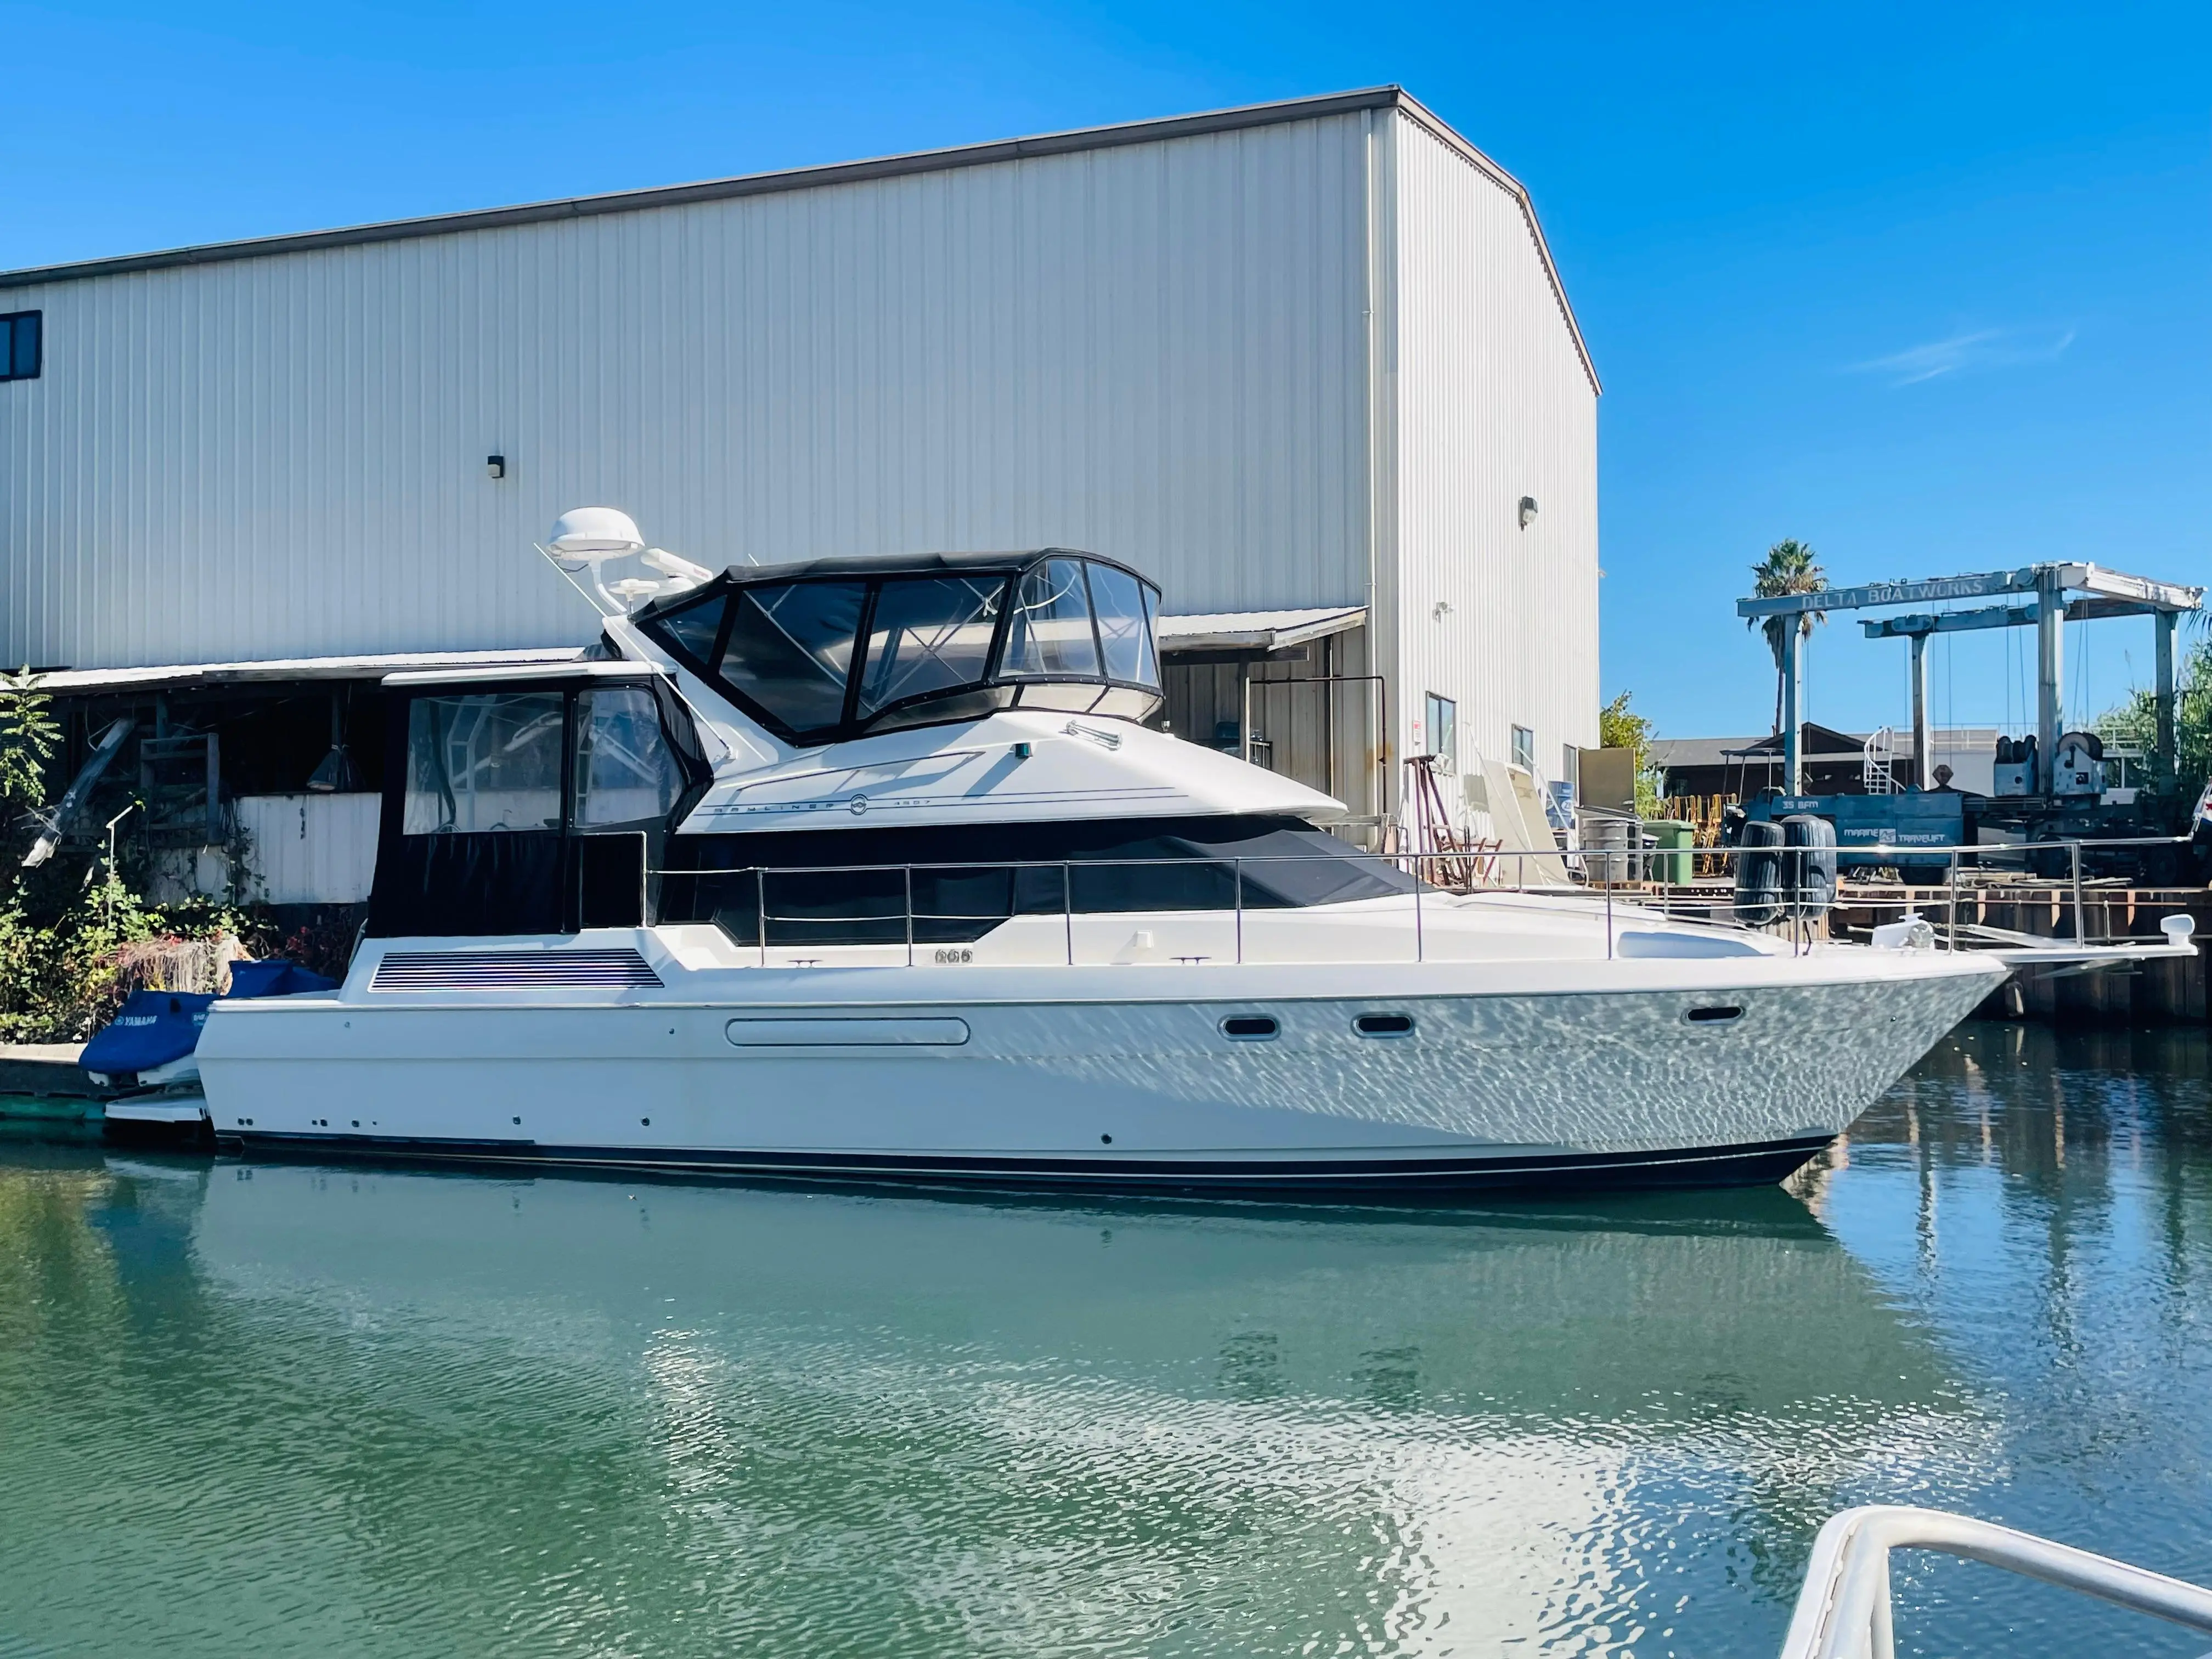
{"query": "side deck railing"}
pixel 1844 1610
pixel 879 900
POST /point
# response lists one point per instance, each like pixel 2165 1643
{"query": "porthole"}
pixel 1250 1028
pixel 1383 1026
pixel 1714 1016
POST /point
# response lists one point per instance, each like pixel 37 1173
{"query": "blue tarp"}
pixel 155 1027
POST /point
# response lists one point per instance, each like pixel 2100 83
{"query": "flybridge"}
pixel 2105 593
pixel 837 649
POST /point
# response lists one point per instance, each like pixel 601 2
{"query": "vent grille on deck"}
pixel 504 971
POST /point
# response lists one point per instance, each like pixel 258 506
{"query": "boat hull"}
pixel 1660 1075
pixel 1378 1178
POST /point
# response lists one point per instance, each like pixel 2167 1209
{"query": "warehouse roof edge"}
pixel 964 155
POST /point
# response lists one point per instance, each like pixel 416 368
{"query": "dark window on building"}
pixel 1524 748
pixel 1442 714
pixel 20 345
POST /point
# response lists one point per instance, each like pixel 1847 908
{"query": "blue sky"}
pixel 1930 286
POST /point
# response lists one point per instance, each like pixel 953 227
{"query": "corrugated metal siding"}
pixel 1155 351
pixel 309 850
pixel 1492 401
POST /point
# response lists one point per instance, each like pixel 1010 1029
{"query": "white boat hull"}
pixel 1513 1074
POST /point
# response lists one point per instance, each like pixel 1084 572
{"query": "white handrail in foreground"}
pixel 1843 1611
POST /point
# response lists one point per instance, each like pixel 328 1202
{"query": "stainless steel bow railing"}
pixel 1845 1612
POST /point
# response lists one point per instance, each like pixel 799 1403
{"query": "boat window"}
pixel 1069 696
pixel 850 886
pixel 694 629
pixel 1384 1025
pixel 489 762
pixel 625 772
pixel 790 647
pixel 1051 630
pixel 1124 629
pixel 929 636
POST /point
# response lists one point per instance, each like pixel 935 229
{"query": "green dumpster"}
pixel 1671 864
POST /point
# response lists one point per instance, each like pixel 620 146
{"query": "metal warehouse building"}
pixel 1307 364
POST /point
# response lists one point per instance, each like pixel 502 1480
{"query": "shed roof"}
pixel 1256 630
pixel 1114 136
pixel 79 682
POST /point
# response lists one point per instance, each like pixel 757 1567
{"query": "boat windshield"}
pixel 819 655
pixel 793 647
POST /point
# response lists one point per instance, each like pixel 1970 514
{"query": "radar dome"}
pixel 600 532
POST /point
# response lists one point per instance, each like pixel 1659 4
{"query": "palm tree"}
pixel 1789 567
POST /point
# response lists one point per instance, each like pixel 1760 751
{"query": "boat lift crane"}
pixel 2101 593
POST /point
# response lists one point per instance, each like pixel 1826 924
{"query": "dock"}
pixel 43 1090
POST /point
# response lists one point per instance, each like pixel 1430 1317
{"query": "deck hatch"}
pixel 510 970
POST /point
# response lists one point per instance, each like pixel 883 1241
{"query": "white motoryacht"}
pixel 866 869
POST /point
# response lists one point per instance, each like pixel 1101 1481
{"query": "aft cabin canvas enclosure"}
pixel 1308 359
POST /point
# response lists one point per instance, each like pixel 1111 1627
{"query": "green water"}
pixel 267 1409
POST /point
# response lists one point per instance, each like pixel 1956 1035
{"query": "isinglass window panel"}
pixel 625 773
pixel 489 762
pixel 928 636
pixel 791 647
pixel 1051 628
pixel 1124 629
pixel 694 630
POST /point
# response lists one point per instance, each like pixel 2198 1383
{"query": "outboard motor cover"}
pixel 152 1028
pixel 155 1029
pixel 1758 874
pixel 1808 869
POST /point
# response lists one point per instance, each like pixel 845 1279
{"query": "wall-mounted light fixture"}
pixel 1528 510
pixel 1441 608
pixel 495 467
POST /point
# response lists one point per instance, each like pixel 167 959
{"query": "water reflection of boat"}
pixel 1476 1416
pixel 1556 1308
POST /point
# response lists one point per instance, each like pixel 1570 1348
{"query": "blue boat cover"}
pixel 152 1028
pixel 275 978
pixel 155 1027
